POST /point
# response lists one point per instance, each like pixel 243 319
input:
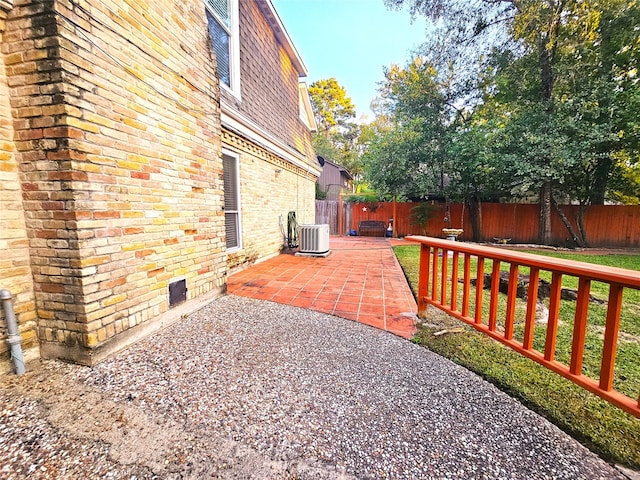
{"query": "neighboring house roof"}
pixel 269 12
pixel 343 170
pixel 334 179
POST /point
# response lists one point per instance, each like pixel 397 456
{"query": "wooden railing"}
pixel 439 284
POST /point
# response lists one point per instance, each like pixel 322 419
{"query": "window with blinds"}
pixel 220 39
pixel 223 34
pixel 222 9
pixel 231 201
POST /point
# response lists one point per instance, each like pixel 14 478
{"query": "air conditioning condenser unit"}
pixel 314 239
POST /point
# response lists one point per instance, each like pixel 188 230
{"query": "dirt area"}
pixel 54 427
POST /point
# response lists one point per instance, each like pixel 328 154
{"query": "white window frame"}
pixel 234 46
pixel 236 160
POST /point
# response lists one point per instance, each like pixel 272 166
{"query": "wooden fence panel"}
pixel 519 222
pixel 610 226
pixel 614 225
pixel 327 212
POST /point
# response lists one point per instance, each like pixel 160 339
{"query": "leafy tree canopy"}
pixel 527 95
pixel 331 106
pixel 338 137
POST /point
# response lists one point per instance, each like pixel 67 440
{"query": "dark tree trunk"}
pixel 580 221
pixel 545 60
pixel 544 232
pixel 475 216
pixel 546 53
pixel 447 214
pixel 579 241
pixel 600 181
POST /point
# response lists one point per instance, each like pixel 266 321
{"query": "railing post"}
pixel 511 301
pixel 532 301
pixel 493 299
pixel 454 281
pixel 554 312
pixel 610 337
pixel 466 291
pixel 479 289
pixel 423 277
pixel 443 277
pixel 434 276
pixel 580 326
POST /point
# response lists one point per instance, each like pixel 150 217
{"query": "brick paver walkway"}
pixel 360 280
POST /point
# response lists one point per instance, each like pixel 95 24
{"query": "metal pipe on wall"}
pixel 12 331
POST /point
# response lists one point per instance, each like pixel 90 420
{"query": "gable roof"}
pixel 341 169
pixel 269 12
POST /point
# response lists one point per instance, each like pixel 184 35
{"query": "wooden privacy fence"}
pixel 328 212
pixel 438 286
pixel 610 226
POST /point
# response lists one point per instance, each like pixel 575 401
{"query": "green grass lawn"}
pixel 607 430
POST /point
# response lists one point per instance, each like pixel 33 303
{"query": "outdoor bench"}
pixel 372 228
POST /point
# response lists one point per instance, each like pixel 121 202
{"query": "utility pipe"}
pixel 12 331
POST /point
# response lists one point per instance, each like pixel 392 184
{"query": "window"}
pixel 223 29
pixel 231 200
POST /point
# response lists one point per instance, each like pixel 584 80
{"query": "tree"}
pixel 338 136
pixel 561 79
pixel 332 108
pixel 475 173
pixel 536 25
pixel 585 124
pixel 627 183
pixel 448 150
pixel 405 159
pixel 396 164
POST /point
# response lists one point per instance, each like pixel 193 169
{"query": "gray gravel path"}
pixel 253 389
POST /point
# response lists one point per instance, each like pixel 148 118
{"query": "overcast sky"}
pixel 351 40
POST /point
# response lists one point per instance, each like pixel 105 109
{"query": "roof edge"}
pixel 303 92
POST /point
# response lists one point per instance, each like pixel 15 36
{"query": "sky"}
pixel 350 40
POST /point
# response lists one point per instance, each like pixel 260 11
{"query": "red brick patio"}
pixel 360 280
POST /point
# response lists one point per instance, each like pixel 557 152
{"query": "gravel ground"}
pixel 252 389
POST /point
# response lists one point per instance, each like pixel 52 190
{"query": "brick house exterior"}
pixel 112 131
pixel 277 164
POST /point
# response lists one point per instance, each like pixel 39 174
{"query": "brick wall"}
pixel 15 270
pixel 270 188
pixel 271 184
pixel 118 143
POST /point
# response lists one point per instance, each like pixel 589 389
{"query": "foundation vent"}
pixel 177 292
